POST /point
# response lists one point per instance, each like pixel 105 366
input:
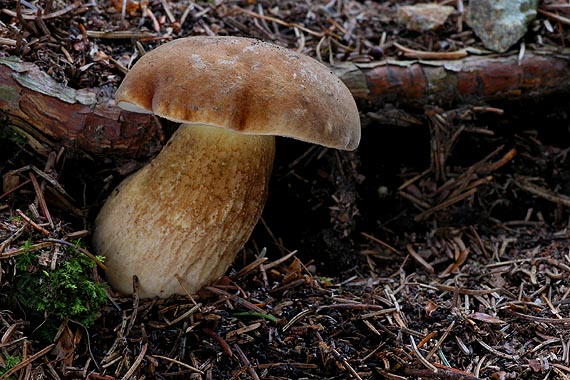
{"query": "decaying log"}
pixel 52 114
pixel 32 102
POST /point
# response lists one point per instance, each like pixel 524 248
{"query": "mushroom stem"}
pixel 209 185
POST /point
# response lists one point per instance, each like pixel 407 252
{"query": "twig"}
pixel 382 243
pixel 56 14
pixel 280 260
pixel 179 363
pixel 83 250
pixel 186 314
pixel 497 352
pixel 235 298
pixel 46 177
pixel 471 292
pixel 13 237
pixel 422 205
pixel 420 259
pixel 444 205
pixel 493 166
pixel 245 361
pixel 420 357
pixel 225 346
pixel 27 361
pixel 19 251
pixel 472 185
pixel 32 223
pixel 542 192
pixel 339 357
pixel 443 373
pixel 280 22
pixel 16 188
pixel 249 268
pixel 554 16
pixel 297 317
pixel 41 23
pixel 119 35
pixel 461 253
pixel 441 340
pixel 136 363
pixel 411 53
pixel 168 11
pixel 136 299
pixel 109 356
pixel 351 306
pixel 553 321
pixel 414 179
pixel 41 199
pixel 8 41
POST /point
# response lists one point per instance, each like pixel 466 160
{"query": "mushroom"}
pixel 179 222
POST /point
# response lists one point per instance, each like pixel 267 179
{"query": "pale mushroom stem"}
pixel 208 185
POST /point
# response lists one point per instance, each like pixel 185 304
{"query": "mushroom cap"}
pixel 245 85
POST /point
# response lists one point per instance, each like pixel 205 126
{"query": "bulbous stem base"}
pixel 180 220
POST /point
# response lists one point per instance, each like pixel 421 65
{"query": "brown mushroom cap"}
pixel 245 85
pixel 179 221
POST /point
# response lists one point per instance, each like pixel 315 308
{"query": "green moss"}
pixel 68 291
pixel 10 362
pixel 26 259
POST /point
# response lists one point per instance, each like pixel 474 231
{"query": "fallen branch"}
pixel 50 114
pixel 473 79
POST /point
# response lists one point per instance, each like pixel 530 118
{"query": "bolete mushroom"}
pixel 181 219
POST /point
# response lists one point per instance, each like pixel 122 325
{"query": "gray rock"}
pixel 500 23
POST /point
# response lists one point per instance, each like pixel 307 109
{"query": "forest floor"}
pixel 437 250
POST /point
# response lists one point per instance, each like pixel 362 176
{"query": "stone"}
pixel 500 23
pixel 423 17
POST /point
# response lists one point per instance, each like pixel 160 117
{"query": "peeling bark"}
pixel 470 80
pixel 53 115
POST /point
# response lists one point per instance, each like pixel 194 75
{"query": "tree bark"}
pixel 471 80
pixel 52 114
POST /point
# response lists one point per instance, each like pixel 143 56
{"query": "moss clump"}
pixel 10 361
pixel 68 291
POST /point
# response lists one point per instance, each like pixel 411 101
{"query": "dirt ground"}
pixel 438 250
